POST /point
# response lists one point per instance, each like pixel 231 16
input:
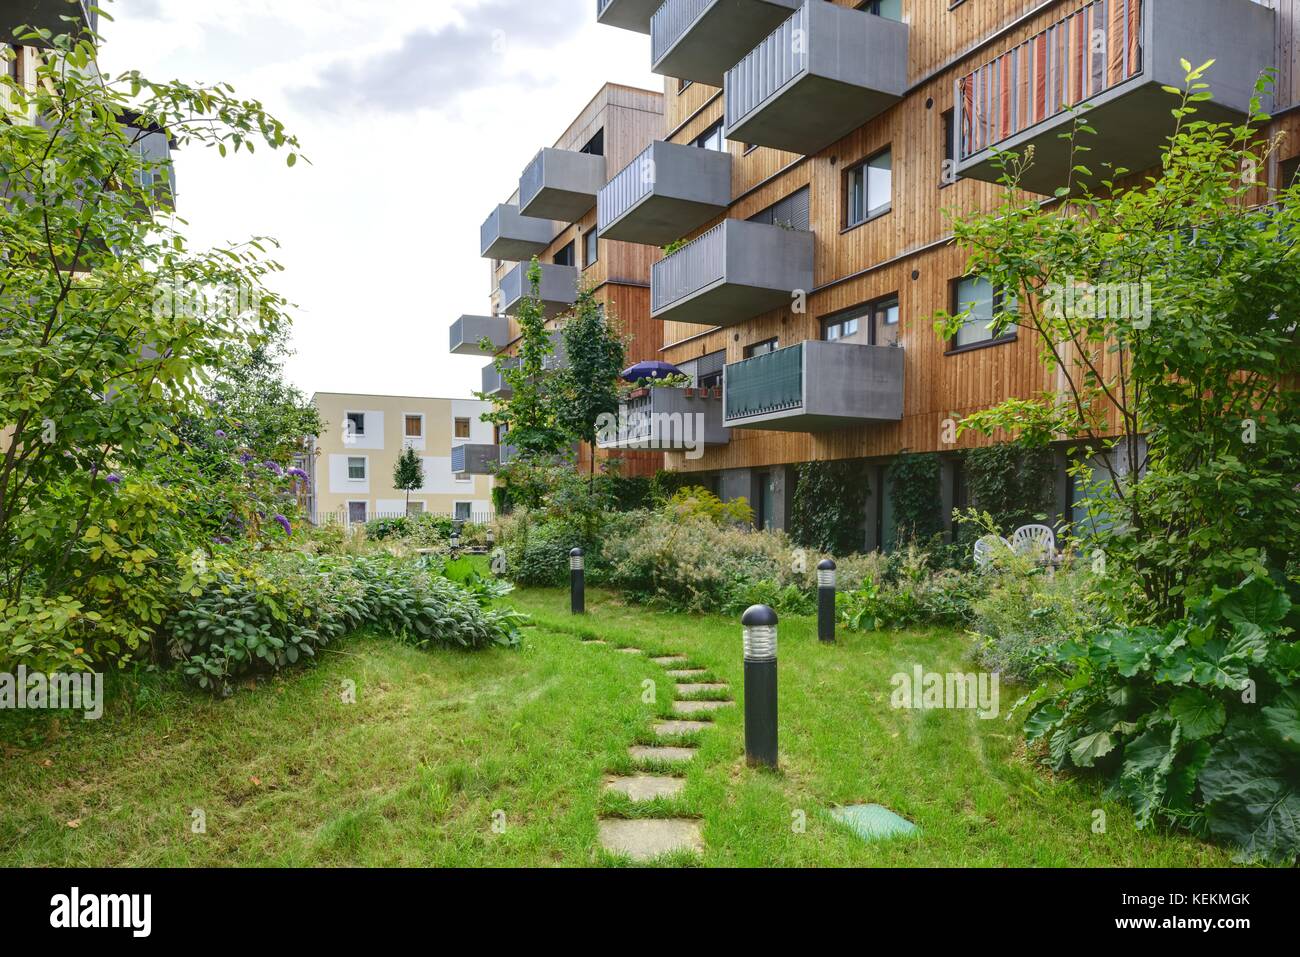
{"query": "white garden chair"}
pixel 987 547
pixel 1034 541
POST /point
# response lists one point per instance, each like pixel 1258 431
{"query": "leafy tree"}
pixel 529 412
pixel 587 387
pixel 110 325
pixel 408 474
pixel 1166 307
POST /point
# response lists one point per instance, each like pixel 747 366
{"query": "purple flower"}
pixel 284 523
pixel 220 433
pixel 273 467
pixel 245 458
pixel 113 479
pixel 297 473
pixel 222 540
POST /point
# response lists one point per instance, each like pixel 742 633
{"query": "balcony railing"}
pixel 668 419
pixel 470 459
pixel 821 74
pixel 628 14
pixel 557 291
pixel 561 184
pixel 701 39
pixel 1106 61
pixel 468 334
pixel 735 271
pixel 510 236
pixel 668 191
pixel 814 386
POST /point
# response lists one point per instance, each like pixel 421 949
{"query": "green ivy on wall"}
pixel 830 499
pixel 917 497
pixel 1012 483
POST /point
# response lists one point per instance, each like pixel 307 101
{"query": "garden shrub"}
pixel 1012 483
pixel 278 611
pixel 910 590
pixel 918 502
pixel 1196 723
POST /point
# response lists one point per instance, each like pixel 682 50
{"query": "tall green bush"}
pixel 829 506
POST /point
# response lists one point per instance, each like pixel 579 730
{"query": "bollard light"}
pixel 577 583
pixel 491 537
pixel 759 630
pixel 455 539
pixel 826 601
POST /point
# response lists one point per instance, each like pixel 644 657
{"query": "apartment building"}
pixel 551 214
pixel 810 153
pixel 350 464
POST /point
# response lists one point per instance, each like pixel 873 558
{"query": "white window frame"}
pixel 347 417
pixel 365 459
pixel 466 418
pixel 364 503
pixel 413 415
pixel 469 511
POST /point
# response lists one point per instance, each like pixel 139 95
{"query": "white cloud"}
pixel 414 134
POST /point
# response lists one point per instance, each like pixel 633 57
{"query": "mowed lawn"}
pixel 497 758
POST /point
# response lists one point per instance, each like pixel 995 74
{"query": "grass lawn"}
pixel 441 746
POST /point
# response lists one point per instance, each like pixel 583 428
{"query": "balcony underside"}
pixel 658 220
pixel 1132 123
pixel 510 236
pixel 469 332
pixel 46 15
pixel 634 15
pixel 724 303
pixel 561 185
pixel 720 37
pixel 810 113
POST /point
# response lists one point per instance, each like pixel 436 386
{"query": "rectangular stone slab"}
pixel 648 838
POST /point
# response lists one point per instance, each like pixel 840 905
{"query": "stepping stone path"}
pixel 646 838
pixel 670 728
pixel 697 689
pixel 643 839
pixel 695 707
pixel 645 787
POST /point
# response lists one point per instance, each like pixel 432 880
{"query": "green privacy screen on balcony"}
pixel 767 383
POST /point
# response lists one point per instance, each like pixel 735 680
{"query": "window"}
pixel 889 9
pixel 596 145
pixel 884 321
pixel 683 86
pixel 708 370
pixel 461 430
pixel 463 511
pixel 791 212
pixel 414 508
pixel 565 257
pixel 1290 173
pixel 948 175
pixel 357 468
pixel 839 327
pixel 711 139
pixel 590 247
pixel 356 513
pixel 761 348
pixel 414 425
pixel 356 423
pixel 978 296
pixel 869 189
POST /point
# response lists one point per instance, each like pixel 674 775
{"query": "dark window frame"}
pixel 868 215
pixel 999 300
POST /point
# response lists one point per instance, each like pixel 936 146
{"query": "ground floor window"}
pixel 414 508
pixel 357 513
pixel 463 511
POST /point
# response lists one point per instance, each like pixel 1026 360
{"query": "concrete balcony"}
pixel 823 73
pixel 701 40
pixel 494 383
pixel 734 272
pixel 474 459
pixel 513 237
pixel 1107 62
pixel 631 15
pixel 814 386
pixel 667 192
pixel 558 290
pixel 668 419
pixel 561 185
pixel 469 333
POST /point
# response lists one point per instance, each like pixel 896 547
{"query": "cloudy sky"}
pixel 418 117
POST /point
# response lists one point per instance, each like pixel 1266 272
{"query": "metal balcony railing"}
pixel 768 67
pixel 688 270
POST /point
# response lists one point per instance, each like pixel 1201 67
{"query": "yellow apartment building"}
pixel 351 462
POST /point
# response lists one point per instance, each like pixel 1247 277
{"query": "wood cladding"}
pixel 907 250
